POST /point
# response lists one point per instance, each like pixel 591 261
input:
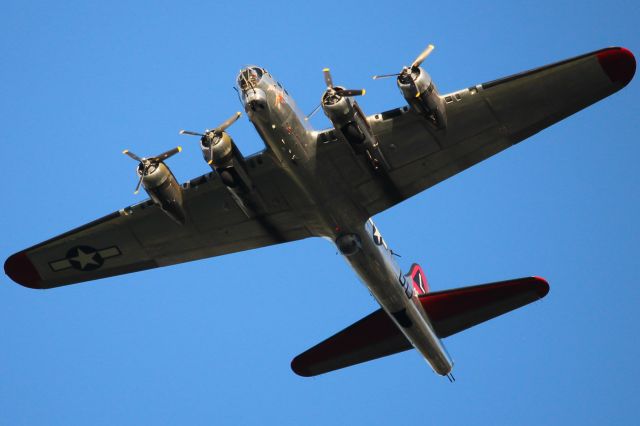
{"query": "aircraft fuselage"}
pixel 292 142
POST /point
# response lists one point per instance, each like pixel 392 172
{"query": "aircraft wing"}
pixel 450 312
pixel 484 120
pixel 143 236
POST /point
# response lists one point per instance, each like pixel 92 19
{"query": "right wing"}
pixel 482 120
pixel 143 236
pixel 450 312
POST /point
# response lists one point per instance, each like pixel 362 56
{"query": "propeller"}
pixel 334 93
pixel 146 164
pixel 409 74
pixel 340 91
pixel 208 138
pixel 420 59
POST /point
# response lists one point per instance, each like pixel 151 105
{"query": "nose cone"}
pixel 20 269
pixel 249 77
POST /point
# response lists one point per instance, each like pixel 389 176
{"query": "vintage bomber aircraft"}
pixel 329 184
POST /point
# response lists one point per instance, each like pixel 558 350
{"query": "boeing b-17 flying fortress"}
pixel 330 183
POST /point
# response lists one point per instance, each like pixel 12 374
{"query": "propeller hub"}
pixel 409 75
pixel 332 96
pixel 146 166
pixel 209 139
pixel 212 136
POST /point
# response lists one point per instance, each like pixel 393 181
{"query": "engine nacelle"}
pixel 347 117
pixel 221 153
pixel 339 109
pixel 164 190
pixel 342 113
pixel 218 149
pixel 423 95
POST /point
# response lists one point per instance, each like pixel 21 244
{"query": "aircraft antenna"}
pixel 238 93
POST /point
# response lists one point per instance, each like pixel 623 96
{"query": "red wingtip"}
pixel 20 269
pixel 618 63
pixel 543 286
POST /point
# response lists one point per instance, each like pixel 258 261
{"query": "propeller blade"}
pixel 350 92
pixel 426 52
pixel 327 77
pixel 189 132
pixel 131 155
pixel 221 128
pixel 313 112
pixel 144 172
pixel 168 154
pixel 376 77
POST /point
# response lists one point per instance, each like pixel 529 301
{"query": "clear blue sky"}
pixel 210 342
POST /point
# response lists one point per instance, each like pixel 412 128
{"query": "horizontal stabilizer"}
pixel 450 312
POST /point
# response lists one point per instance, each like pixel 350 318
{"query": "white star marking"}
pixel 85 259
pixel 377 237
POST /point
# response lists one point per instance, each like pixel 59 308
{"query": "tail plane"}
pixel 450 312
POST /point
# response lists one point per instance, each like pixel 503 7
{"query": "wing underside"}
pixel 142 236
pixel 482 120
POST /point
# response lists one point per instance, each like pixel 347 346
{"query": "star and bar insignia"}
pixel 84 258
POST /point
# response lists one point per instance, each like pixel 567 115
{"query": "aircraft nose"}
pixel 249 77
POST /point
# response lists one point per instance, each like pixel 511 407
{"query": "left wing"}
pixel 143 236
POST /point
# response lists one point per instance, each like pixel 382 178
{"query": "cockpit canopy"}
pixel 249 77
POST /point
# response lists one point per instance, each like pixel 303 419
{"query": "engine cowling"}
pixel 164 190
pixel 341 111
pixel 422 95
pixel 337 108
pixel 346 116
pixel 218 149
pixel 221 153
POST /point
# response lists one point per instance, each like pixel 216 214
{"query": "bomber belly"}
pixel 370 257
pixel 293 144
pixel 341 218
